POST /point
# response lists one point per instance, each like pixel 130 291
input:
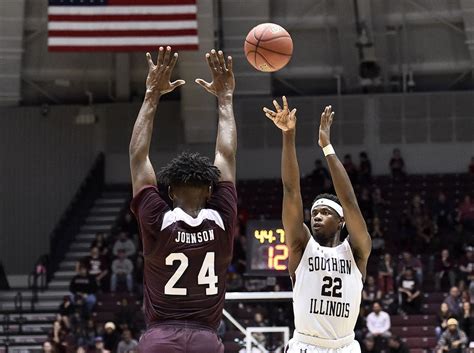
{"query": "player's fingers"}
pixel 220 56
pixel 293 114
pixel 209 62
pixel 269 111
pixel 269 116
pixel 177 83
pixel 149 60
pixel 215 60
pixel 285 103
pixel 331 117
pixel 203 84
pixel 173 62
pixel 277 106
pixel 166 59
pixel 161 54
pixel 229 63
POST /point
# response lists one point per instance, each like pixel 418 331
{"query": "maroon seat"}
pixel 420 342
pixel 413 331
pixel 434 297
pixel 413 320
pixel 431 308
pixel 232 347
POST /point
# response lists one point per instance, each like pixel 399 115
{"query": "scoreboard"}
pixel 267 252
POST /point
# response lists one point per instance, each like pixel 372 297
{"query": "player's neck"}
pixel 192 207
pixel 329 242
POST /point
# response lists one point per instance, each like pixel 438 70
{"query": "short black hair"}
pixel 189 169
pixel 327 196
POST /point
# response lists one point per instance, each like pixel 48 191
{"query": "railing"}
pixel 75 214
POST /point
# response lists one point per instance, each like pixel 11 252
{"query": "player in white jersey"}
pixel 327 273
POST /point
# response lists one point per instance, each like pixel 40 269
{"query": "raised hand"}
pixel 223 82
pixel 158 79
pixel 327 116
pixel 283 118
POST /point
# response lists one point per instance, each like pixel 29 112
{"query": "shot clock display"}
pixel 267 252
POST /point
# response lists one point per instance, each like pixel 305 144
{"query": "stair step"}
pixel 67 265
pixel 110 201
pixel 85 236
pixel 63 275
pixel 26 294
pixel 96 228
pixel 76 255
pixel 40 305
pixel 23 348
pixel 92 219
pixel 78 246
pixel 30 317
pixel 101 210
pixel 27 328
pixel 25 339
pixel 63 284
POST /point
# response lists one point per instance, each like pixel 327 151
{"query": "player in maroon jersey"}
pixel 187 248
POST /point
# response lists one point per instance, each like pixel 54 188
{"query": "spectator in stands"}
pixel 126 315
pixel 81 349
pixel 365 169
pixel 442 319
pixel 378 241
pixel 101 243
pixel 96 266
pixel 371 293
pixel 368 345
pixel 66 310
pixel 397 165
pixel 409 290
pixel 378 202
pixel 466 266
pixel 123 242
pixel 386 273
pixel 111 337
pixel 454 302
pixel 99 345
pixel 320 175
pixel 471 166
pixel 466 322
pixel 378 322
pixel 84 287
pixel 417 206
pixel 442 211
pixel 129 224
pixel 127 343
pixel 350 167
pixel 365 203
pixel 122 269
pixel 406 231
pixel 453 340
pixel 409 261
pixel 49 347
pixel 466 213
pixel 396 345
pixel 445 267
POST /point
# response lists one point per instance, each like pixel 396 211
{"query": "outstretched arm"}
pixel 222 86
pixel 157 84
pixel 359 237
pixel 297 234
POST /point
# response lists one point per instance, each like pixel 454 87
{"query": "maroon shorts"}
pixel 180 337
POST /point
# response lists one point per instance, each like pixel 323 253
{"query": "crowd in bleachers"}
pixel 427 244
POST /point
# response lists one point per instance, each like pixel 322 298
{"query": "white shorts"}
pixel 295 346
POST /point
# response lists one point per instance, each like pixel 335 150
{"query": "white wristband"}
pixel 328 150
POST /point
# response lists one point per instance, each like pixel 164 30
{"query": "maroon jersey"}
pixel 186 258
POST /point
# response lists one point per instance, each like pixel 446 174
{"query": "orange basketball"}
pixel 268 47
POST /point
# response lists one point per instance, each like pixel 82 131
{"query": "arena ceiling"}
pixel 340 46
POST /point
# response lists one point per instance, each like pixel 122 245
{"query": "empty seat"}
pixel 414 331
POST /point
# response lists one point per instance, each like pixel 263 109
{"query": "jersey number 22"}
pixel 206 275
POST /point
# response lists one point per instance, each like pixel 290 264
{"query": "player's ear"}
pixel 341 223
pixel 170 193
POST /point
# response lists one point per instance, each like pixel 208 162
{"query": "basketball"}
pixel 268 47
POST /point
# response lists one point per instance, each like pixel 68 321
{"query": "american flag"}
pixel 121 25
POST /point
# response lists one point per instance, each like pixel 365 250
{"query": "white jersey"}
pixel 326 295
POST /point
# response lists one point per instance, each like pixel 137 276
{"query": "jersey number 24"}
pixel 206 275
